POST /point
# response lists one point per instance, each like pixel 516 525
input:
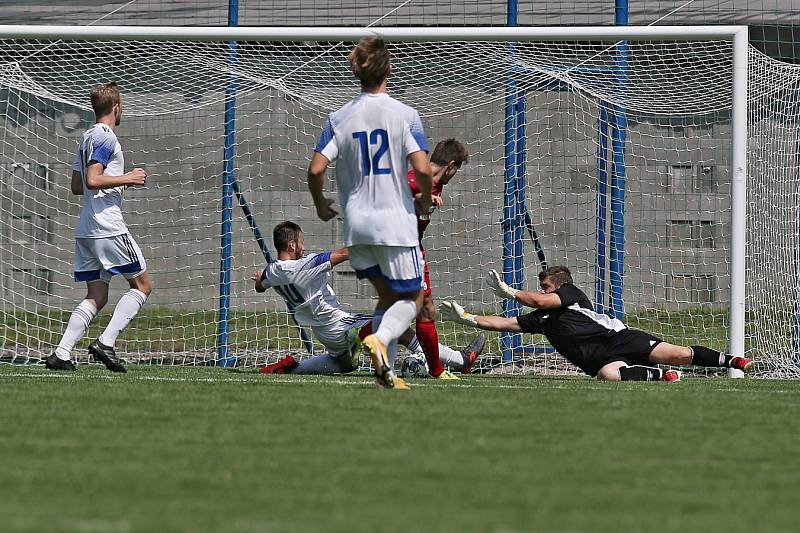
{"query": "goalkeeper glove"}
pixel 455 313
pixel 499 287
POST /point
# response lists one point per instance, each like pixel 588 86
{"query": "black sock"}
pixel 707 357
pixel 640 373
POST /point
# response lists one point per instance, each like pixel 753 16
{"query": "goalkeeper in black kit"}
pixel 599 345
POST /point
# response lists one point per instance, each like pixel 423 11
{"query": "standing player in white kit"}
pixel 373 139
pixel 103 245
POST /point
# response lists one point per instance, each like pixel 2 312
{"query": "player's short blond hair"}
pixel 104 97
pixel 370 61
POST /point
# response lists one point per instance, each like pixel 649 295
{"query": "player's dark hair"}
pixel 450 150
pixel 370 61
pixel 104 97
pixel 559 274
pixel 284 233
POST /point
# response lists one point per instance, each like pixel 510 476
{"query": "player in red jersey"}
pixel 446 160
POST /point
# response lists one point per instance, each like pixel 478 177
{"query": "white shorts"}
pixel 400 265
pixel 100 259
pixel 335 336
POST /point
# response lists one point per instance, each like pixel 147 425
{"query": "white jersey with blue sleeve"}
pixel 101 214
pixel 370 138
pixel 305 285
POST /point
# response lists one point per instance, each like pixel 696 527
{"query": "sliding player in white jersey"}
pixel 304 282
pixel 373 139
pixel 103 245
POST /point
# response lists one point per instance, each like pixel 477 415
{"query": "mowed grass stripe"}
pixel 202 449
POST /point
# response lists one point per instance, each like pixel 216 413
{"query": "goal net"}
pixel 612 158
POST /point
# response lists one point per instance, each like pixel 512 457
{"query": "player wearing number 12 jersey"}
pixel 373 139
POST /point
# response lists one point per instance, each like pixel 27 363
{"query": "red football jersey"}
pixel 422 219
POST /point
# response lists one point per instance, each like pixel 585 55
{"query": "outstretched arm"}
pixel 455 313
pixel 339 256
pixel 316 182
pixel 530 299
pixel 498 323
pixel 538 300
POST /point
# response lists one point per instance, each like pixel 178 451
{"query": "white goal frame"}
pixel 738 35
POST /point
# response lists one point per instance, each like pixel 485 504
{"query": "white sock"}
pixel 127 307
pixel 447 355
pixel 395 321
pixel 78 323
pixel 414 345
pixel 450 357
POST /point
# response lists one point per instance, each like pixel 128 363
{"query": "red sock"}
pixel 428 338
pixel 365 331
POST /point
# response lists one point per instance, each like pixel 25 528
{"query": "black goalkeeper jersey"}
pixel 575 330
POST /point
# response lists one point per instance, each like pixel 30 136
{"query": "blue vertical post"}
pixel 226 229
pixel 519 155
pixel 618 138
pixel 510 212
pixel 602 208
pixel 518 276
pixel 510 216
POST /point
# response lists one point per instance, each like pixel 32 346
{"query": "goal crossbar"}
pixel 254 33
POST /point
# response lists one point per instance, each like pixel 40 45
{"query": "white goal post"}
pixel 36 40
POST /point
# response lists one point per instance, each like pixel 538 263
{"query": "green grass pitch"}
pixel 164 449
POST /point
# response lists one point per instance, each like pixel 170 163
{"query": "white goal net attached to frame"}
pixel 624 153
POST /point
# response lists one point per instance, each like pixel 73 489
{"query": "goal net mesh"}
pixel 675 98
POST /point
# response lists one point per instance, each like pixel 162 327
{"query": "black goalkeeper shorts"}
pixel 630 346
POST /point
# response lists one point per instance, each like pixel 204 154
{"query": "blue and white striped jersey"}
pixel 370 138
pixel 305 285
pixel 101 214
